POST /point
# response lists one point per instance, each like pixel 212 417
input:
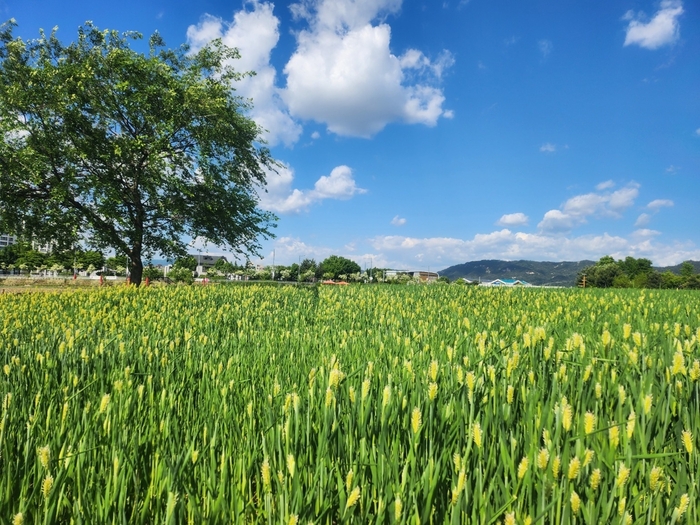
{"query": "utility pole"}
pixel 273 265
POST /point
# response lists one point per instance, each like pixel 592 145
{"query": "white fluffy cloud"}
pixel 548 147
pixel 255 33
pixel 282 198
pixel 578 209
pixel 657 204
pixel 661 30
pixel 642 220
pixel 513 219
pixel 289 250
pixel 343 73
pixel 441 252
pixel 398 221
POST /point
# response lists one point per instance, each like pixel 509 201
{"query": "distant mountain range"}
pixel 539 273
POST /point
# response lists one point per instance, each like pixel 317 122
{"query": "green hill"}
pixel 534 272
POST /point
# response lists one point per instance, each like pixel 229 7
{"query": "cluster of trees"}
pixel 23 258
pixel 636 273
pixel 333 267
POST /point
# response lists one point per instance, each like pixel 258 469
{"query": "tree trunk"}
pixel 136 271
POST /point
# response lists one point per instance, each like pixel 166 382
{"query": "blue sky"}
pixel 419 135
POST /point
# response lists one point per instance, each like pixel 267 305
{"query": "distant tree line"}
pixel 23 258
pixel 636 273
pixel 308 270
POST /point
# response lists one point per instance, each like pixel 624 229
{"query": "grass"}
pixel 357 404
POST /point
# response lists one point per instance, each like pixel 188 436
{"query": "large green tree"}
pixel 132 151
pixel 337 266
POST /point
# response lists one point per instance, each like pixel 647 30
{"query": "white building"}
pixel 7 240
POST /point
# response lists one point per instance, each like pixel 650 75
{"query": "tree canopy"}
pixel 636 273
pixel 336 266
pixel 131 151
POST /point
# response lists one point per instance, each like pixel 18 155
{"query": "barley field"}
pixel 360 404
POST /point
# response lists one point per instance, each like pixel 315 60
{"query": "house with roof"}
pixel 206 262
pixel 510 283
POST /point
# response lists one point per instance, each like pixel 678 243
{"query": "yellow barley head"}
pixel 587 373
pixel 623 474
pixel 471 380
pixel 566 415
pixel 574 468
pixel 44 454
pixel 433 370
pixel 509 394
pixel 353 498
pixel 432 391
pixel 293 519
pixel 637 338
pixel 678 363
pixel 386 396
pixel 556 463
pixel 398 508
pixel 655 479
pixel 687 438
pixel 104 403
pixel 588 457
pixel 46 486
pixel 330 397
pixel 621 394
pixel 681 508
pixel 648 399
pixel 18 519
pixel 695 371
pixel 461 480
pixel 626 330
pixel 365 389
pixel 621 506
pixel 575 502
pixel 522 467
pixel 614 435
pixel 291 464
pixel 589 421
pixel 542 458
pixel 266 478
pixel 416 419
pixel 510 519
pixel 595 479
pixel 631 419
pixel 334 377
pixel 476 434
